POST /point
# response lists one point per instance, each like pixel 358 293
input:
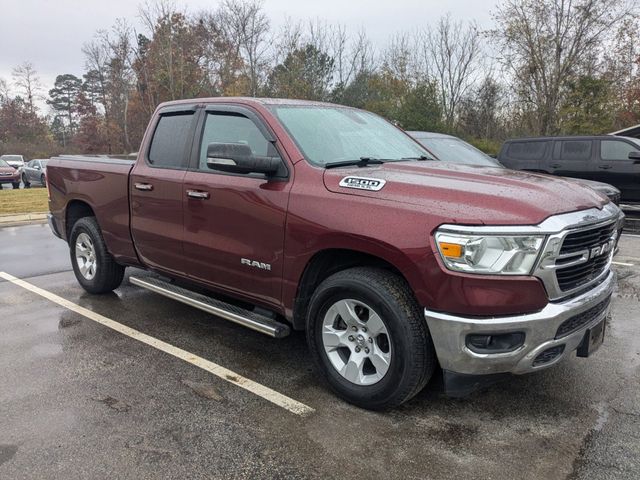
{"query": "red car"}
pixel 317 217
pixel 8 174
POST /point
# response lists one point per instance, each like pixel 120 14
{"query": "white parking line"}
pixel 265 392
pixel 623 264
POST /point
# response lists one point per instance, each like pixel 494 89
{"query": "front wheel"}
pixel 368 337
pixel 16 185
pixel 25 182
pixel 93 265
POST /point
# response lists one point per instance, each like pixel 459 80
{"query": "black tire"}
pixel 16 185
pixel 24 181
pixel 108 274
pixel 413 358
pixel 43 180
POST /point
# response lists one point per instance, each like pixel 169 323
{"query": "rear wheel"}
pixel 93 265
pixel 368 337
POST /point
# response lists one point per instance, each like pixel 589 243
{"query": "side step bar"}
pixel 246 318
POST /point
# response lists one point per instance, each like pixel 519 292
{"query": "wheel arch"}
pixel 325 263
pixel 74 211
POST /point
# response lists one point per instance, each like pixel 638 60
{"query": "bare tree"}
pixel 111 55
pixel 546 43
pixel 96 55
pixel 121 74
pixel 26 79
pixel 451 53
pixel 248 26
pixel 352 55
pixel 622 69
pixel 4 91
pixel 221 62
pixel 290 38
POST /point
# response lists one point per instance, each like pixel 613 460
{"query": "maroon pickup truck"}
pixel 284 214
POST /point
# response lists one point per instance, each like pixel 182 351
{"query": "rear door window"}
pixel 573 150
pixel 527 150
pixel 169 144
pixel 616 150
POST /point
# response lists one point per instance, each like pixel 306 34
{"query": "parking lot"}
pixel 144 395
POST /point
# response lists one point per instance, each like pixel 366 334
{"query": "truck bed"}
pixel 100 182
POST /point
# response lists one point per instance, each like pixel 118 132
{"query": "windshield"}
pixel 635 141
pixel 12 158
pixel 455 150
pixel 332 134
pixel 4 164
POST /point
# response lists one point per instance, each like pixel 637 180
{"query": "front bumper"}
pixel 10 179
pixel 449 334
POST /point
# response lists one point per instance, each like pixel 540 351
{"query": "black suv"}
pixel 605 158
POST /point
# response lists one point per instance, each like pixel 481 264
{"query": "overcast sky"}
pixel 50 33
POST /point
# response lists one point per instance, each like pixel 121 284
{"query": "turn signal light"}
pixel 452 250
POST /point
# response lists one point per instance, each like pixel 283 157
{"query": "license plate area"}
pixel 592 340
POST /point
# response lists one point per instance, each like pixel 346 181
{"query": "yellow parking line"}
pixel 623 264
pixel 225 374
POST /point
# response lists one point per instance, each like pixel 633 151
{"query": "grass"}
pixel 31 200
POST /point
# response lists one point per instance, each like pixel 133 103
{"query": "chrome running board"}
pixel 241 316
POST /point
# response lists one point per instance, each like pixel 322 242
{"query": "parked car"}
pixel 16 161
pixel 302 215
pixel 453 149
pixel 8 174
pixel 35 171
pixel 609 159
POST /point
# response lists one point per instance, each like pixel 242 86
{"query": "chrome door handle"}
pixel 197 194
pixel 143 186
pixel 556 165
pixel 604 167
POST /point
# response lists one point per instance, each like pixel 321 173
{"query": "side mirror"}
pixel 634 156
pixel 37 167
pixel 238 158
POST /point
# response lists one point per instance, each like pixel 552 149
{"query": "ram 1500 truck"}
pixel 284 214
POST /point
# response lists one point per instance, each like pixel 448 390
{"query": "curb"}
pixel 22 219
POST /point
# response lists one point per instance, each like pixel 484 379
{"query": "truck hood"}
pixel 467 194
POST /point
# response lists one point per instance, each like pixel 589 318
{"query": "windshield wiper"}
pixel 421 157
pixel 362 162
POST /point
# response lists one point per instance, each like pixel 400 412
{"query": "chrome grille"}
pixel 587 239
pixel 584 256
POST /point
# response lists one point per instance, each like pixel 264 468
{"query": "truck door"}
pixel 617 169
pixel 573 158
pixel 156 193
pixel 234 223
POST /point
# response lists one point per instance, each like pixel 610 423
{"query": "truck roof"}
pixel 252 101
pixel 422 134
pixel 561 137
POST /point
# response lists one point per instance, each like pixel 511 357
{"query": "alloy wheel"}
pixel 356 341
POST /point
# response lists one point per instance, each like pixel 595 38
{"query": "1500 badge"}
pixel 363 183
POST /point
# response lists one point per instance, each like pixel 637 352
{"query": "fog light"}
pixel 548 355
pixel 495 343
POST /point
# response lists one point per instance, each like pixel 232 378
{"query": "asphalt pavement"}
pixel 79 399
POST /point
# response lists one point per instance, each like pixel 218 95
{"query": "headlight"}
pixel 489 254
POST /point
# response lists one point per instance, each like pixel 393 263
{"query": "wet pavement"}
pixel 79 400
